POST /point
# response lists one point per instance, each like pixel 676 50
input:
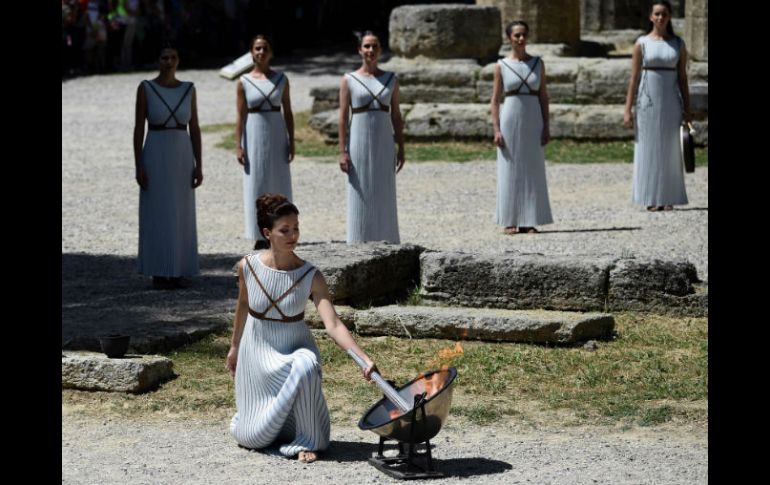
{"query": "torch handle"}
pixel 387 389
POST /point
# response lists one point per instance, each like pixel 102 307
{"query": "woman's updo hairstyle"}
pixel 271 207
pixel 261 37
pixel 509 28
pixel 169 44
pixel 360 37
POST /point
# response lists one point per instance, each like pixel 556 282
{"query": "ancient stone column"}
pixel 550 21
pixel 591 15
pixel 445 31
pixel 598 15
pixel 696 30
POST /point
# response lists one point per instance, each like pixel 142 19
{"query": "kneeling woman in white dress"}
pixel 273 356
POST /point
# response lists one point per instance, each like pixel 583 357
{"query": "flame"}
pixel 449 354
pixel 429 387
pixel 433 384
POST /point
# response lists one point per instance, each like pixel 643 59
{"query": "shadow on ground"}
pixel 606 229
pixel 103 294
pixel 356 451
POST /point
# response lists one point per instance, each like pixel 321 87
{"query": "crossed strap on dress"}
pixel 515 92
pixel 274 303
pixel 162 126
pixel 258 108
pixel 367 106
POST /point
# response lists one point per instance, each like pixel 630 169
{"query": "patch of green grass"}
pixel 307 141
pixel 220 127
pixel 414 297
pixel 573 151
pixel 480 415
pixel 656 370
pixel 656 415
pixel 310 143
pixel 450 151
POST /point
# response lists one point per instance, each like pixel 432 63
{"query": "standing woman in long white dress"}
pixel 169 168
pixel 273 355
pixel 263 137
pixel 659 92
pixel 521 133
pixel 369 123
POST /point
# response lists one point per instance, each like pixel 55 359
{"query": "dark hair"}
pixel 669 27
pixel 271 207
pixel 509 27
pixel 168 44
pixel 261 37
pixel 360 37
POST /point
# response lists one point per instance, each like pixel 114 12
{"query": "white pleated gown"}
pixel 371 187
pixel 168 237
pixel 278 394
pixel 266 146
pixel 658 169
pixel 522 191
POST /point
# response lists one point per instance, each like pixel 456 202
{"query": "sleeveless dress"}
pixel 266 146
pixel 278 394
pixel 522 192
pixel 658 169
pixel 371 187
pixel 168 237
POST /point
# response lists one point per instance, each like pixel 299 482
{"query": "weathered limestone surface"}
pixel 97 372
pixel 535 326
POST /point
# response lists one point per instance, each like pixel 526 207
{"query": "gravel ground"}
pixel 114 451
pixel 442 205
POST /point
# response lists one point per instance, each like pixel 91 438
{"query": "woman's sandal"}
pixel 307 456
pixel 528 230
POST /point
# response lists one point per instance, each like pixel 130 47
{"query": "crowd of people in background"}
pixel 104 36
pixel 101 36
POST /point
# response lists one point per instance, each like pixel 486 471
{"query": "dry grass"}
pixel 656 370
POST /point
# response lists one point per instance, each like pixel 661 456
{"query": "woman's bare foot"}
pixel 510 231
pixel 668 208
pixel 307 456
